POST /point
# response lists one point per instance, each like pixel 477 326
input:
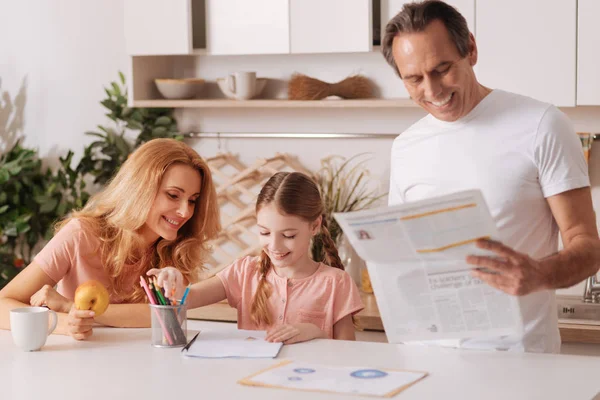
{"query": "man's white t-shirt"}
pixel 518 151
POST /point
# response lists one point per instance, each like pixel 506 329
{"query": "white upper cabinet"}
pixel 588 53
pixel 389 8
pixel 529 48
pixel 158 27
pixel 330 26
pixel 247 27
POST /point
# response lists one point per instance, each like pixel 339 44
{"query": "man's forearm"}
pixel 577 261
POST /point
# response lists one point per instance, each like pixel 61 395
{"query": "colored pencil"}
pixel 160 295
pixel 149 292
pixel 144 285
pixel 185 294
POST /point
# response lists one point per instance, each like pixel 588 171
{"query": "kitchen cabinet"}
pixel 235 27
pixel 156 27
pixel 330 26
pixel 549 53
pixel 247 27
pixel 588 53
pixel 219 27
pixel 242 27
pixel 529 49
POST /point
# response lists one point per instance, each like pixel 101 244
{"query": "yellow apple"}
pixel 92 295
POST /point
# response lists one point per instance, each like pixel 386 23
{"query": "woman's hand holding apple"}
pixel 170 279
pixel 80 323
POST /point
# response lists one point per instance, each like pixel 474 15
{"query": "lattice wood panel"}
pixel 237 187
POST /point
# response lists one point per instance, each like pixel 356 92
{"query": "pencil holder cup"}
pixel 169 325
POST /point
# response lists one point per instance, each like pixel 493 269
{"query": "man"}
pixel 523 154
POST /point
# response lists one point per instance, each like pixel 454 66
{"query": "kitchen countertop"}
pixel 371 320
pixel 119 363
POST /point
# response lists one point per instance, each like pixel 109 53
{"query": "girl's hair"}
pixel 292 193
pixel 116 214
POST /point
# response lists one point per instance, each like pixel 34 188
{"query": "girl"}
pixel 283 290
pixel 160 209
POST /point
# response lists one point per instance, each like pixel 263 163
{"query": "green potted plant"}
pixel 31 199
pixel 345 186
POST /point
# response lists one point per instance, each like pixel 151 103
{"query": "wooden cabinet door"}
pixel 528 47
pixel 330 26
pixel 588 53
pixel 157 27
pixel 247 27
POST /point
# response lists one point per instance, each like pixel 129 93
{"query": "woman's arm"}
pixel 18 293
pixel 126 316
pixel 203 293
pixel 33 281
pixel 344 329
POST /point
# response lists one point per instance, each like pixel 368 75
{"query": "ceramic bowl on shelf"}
pixel 186 88
pixel 231 92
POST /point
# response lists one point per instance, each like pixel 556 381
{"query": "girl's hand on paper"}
pixel 294 333
pixel 170 279
pixel 510 271
pixel 49 297
pixel 80 323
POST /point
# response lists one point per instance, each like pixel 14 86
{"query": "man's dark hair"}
pixel 415 17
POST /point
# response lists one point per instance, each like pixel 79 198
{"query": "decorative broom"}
pixel 302 87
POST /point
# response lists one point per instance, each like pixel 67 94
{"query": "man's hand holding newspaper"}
pixel 512 272
pixel 416 256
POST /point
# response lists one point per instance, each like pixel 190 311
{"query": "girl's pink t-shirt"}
pixel 73 257
pixel 322 299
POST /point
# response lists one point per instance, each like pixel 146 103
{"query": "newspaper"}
pixel 415 256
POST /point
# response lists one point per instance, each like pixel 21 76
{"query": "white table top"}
pixel 121 364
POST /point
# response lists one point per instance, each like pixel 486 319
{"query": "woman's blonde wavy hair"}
pixel 293 193
pixel 117 213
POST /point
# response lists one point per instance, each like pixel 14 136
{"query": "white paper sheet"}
pixel 415 256
pixel 236 343
pixel 349 380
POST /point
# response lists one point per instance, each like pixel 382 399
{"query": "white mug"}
pixel 242 84
pixel 29 326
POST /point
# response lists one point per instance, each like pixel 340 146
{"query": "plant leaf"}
pixel 163 121
pixel 49 205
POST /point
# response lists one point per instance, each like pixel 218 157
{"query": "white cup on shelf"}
pixel 242 84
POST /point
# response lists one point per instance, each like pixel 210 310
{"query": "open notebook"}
pixel 233 343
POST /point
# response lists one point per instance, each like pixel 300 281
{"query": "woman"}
pixel 160 209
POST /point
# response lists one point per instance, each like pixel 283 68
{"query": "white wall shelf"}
pixel 224 103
